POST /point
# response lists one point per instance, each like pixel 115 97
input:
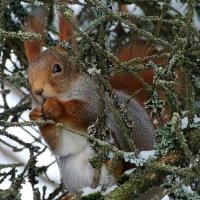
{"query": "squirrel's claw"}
pixel 52 108
pixel 36 114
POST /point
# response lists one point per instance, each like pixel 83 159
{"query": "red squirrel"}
pixel 131 85
pixel 63 93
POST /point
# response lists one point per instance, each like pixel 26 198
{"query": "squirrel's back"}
pixel 142 130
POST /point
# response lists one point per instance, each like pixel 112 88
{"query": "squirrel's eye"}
pixel 56 68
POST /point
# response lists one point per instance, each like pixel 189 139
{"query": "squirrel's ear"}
pixel 35 23
pixel 66 32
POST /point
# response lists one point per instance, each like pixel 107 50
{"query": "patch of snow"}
pixel 110 155
pixel 184 123
pixel 166 197
pixel 93 71
pixel 179 6
pixel 147 154
pixel 196 119
pixel 88 190
pixel 139 159
pixel 110 189
pixel 38 3
pixel 187 189
pixel 129 171
pixel 134 9
pixel 77 8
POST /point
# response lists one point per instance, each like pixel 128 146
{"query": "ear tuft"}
pixel 35 23
pixel 65 29
pixel 66 32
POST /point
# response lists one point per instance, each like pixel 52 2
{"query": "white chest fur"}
pixel 73 154
pixel 70 143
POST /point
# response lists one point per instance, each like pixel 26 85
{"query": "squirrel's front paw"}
pixel 52 108
pixel 36 114
pixel 69 196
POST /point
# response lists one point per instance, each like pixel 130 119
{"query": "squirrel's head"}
pixel 50 75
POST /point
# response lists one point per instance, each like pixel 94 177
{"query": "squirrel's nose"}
pixel 38 91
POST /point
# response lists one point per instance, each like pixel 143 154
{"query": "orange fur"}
pixel 65 29
pixel 72 112
pixel 66 33
pixel 35 24
pixel 118 170
pixel 131 85
pixel 50 135
pixel 127 82
pixel 48 131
